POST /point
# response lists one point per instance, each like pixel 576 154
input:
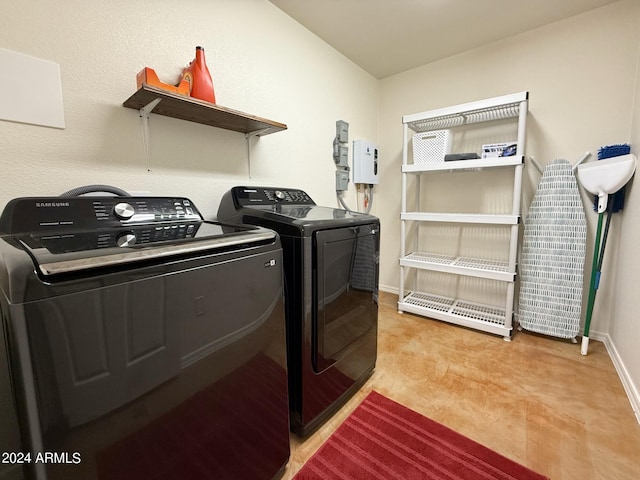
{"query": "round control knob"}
pixel 126 239
pixel 279 195
pixel 123 210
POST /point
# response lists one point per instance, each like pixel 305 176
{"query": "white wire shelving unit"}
pixel 495 319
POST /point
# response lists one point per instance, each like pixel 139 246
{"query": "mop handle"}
pixel 594 270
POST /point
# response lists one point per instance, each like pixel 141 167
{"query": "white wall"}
pixel 262 63
pixel 581 75
pixel 625 330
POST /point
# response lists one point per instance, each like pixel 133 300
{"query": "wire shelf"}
pixel 430 258
pixel 478 267
pixel 482 264
pixel 457 119
pixel 430 302
pixel 486 318
pixel 474 164
pixel 479 312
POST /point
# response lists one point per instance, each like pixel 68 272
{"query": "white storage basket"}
pixel 431 147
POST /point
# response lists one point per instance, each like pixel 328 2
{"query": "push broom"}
pixel 605 179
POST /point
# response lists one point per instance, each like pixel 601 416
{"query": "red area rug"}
pixel 382 439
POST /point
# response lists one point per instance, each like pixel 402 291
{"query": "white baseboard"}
pixel 388 289
pixel 632 390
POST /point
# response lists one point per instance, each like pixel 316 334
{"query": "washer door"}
pixel 345 290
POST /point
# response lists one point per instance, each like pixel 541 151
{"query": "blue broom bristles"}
pixel 609 151
pixel 614 151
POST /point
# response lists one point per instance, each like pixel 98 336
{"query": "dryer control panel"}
pixel 255 196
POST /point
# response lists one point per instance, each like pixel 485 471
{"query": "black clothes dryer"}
pixel 144 342
pixel 331 294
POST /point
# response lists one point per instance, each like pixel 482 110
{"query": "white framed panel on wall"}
pixel 30 90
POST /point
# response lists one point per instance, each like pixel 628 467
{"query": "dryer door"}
pixel 345 290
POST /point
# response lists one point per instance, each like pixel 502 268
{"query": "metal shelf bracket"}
pixel 144 125
pixel 248 136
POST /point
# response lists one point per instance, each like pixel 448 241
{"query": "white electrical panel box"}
pixel 365 162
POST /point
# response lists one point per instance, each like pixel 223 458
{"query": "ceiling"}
pixel 386 37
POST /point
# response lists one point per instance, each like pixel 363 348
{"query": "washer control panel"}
pixel 143 209
pixel 44 214
pixel 113 237
pixel 255 196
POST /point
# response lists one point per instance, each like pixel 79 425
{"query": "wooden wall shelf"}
pixel 193 110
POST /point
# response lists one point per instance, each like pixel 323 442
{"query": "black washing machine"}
pixel 143 341
pixel 331 294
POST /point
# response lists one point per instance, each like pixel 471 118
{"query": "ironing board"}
pixel 553 253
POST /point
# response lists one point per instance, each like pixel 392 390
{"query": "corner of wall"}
pixel 627 382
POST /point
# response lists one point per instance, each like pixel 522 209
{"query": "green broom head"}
pixel 617 199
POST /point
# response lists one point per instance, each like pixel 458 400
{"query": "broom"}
pixel 615 203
